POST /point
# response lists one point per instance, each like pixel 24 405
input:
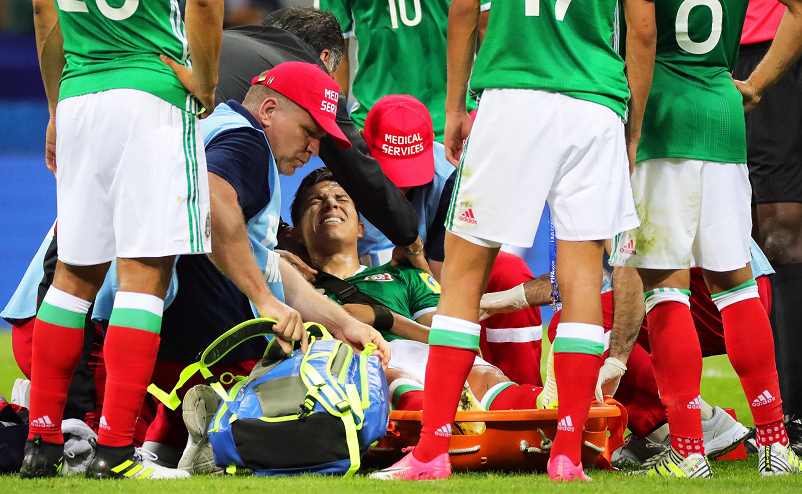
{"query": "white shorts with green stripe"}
pixel 131 178
pixel 528 147
pixel 693 213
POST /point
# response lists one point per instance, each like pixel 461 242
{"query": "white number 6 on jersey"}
pixel 114 13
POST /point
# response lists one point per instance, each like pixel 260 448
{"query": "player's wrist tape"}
pixel 382 318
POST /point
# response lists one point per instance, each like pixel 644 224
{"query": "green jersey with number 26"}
pixel 115 44
pixel 694 110
pixel 563 46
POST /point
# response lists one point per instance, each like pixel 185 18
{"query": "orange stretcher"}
pixel 510 440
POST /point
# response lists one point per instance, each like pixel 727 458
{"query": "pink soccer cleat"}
pixel 562 469
pixel 409 468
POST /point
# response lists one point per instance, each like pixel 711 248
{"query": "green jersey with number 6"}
pixel 694 110
pixel 402 50
pixel 115 44
pixel 404 290
pixel 563 46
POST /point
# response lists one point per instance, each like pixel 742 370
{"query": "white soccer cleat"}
pixel 775 460
pixel 722 433
pixel 199 408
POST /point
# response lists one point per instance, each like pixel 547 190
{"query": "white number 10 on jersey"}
pixel 532 8
pixel 114 13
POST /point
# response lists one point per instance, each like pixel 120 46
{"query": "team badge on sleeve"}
pixel 430 282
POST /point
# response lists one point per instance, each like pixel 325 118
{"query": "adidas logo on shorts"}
pixel 43 422
pixel 695 404
pixel 468 217
pixel 764 399
pixel 444 431
pixel 629 248
pixel 565 424
pixel 103 423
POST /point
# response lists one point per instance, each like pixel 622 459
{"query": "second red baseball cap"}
pixel 309 87
pixel 399 134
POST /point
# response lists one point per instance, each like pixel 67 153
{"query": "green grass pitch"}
pixel 720 386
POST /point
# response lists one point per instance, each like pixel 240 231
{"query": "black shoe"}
pixel 750 443
pixel 43 459
pixel 128 463
pixel 793 427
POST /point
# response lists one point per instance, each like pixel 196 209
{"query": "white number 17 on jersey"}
pixel 532 8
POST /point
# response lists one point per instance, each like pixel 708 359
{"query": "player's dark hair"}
pixel 318 28
pixel 317 176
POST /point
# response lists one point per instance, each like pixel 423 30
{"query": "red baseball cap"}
pixel 306 85
pixel 399 134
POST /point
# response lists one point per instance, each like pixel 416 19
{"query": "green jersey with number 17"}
pixel 402 50
pixel 115 44
pixel 562 46
pixel 694 110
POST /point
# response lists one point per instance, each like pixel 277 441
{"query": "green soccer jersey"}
pixel 563 46
pixel 694 110
pixel 115 44
pixel 402 50
pixel 404 290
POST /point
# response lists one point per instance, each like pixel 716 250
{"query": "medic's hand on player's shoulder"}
pixel 411 255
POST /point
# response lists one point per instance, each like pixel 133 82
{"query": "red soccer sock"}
pixel 511 396
pixel 130 349
pixel 677 363
pixel 58 340
pixel 750 347
pixel 576 375
pixel 452 351
pixel 772 433
pixel 406 394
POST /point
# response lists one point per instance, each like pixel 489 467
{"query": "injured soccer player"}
pixel 399 301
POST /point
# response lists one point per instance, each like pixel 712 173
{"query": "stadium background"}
pixel 28 189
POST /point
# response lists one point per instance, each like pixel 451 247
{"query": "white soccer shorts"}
pixel 693 213
pixel 131 179
pixel 527 147
pixel 411 356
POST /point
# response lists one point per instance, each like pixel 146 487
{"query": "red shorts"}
pixel 512 342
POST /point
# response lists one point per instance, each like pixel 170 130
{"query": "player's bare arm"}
pixel 403 327
pixel 342 74
pixel 463 29
pixel 784 51
pixel 233 256
pixel 641 44
pixel 315 307
pixel 50 47
pixel 629 311
pixel 533 293
pixel 204 26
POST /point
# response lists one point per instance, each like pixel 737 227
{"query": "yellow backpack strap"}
pixel 171 399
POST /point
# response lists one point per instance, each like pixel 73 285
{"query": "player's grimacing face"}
pixel 329 214
pixel 294 138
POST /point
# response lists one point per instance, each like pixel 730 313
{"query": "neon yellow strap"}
pixel 356 404
pixel 352 440
pixel 172 400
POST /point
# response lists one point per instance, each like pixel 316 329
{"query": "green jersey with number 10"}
pixel 115 44
pixel 402 50
pixel 694 110
pixel 563 46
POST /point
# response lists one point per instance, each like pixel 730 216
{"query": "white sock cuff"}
pixel 403 381
pixel 140 301
pixel 447 323
pixel 491 393
pixel 660 295
pixel 735 295
pixel 66 301
pixel 580 330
